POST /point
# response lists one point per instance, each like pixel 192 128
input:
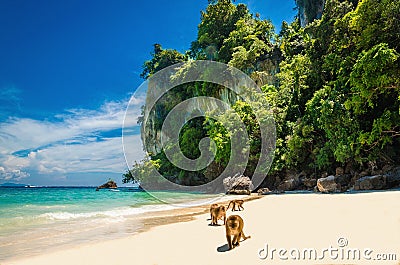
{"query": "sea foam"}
pixel 118 212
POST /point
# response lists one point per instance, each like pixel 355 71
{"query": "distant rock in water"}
pixel 109 185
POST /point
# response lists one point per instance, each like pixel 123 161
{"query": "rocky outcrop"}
pixel 338 183
pixel 390 179
pixel 309 10
pixel 263 191
pixel 309 183
pixel 377 182
pixel 339 171
pixel 288 185
pixel 327 184
pixel 239 192
pixel 393 178
pixel 108 185
pixel 346 178
pixel 266 191
pixel 344 182
pixel 238 184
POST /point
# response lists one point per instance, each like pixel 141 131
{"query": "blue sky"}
pixel 67 71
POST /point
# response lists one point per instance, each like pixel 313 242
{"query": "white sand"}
pixel 366 221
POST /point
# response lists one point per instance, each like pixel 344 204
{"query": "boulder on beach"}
pixel 288 185
pixel 377 182
pixel 327 184
pixel 310 183
pixel 264 191
pixel 238 184
pixel 393 177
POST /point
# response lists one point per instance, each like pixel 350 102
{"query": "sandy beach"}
pixel 362 228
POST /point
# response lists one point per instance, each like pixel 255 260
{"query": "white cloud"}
pixel 74 142
pixel 14 174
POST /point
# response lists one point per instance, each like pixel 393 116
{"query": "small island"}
pixel 110 184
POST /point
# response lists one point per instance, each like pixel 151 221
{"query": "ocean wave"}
pixel 36 206
pixel 116 213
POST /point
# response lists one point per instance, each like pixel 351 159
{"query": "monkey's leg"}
pixel 235 241
pixel 228 238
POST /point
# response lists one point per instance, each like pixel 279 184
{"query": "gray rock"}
pixel 377 182
pixel 343 182
pixel 288 185
pixel 393 178
pixel 339 171
pixel 264 191
pixel 327 184
pixel 238 192
pixel 310 183
pixel 238 183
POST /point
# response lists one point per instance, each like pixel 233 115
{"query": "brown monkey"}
pixel 217 212
pixel 234 227
pixel 213 206
pixel 239 204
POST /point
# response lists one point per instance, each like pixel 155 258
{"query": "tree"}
pixel 216 24
pixel 332 86
pixel 161 59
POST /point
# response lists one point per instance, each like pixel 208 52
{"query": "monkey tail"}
pixel 245 237
pixel 228 205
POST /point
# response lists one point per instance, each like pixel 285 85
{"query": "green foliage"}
pixel 353 78
pixel 161 59
pixel 333 88
pixel 217 22
pixel 292 38
pixel 247 43
pixel 221 136
pixel 374 75
pixel 142 172
pixel 190 137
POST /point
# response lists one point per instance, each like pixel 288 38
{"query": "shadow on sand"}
pixel 215 225
pixel 223 248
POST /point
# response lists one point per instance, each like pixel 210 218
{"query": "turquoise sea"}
pixel 35 219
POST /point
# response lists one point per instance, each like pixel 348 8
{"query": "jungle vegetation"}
pixel 333 87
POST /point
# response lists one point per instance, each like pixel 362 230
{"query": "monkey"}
pixel 213 206
pixel 234 227
pixel 239 204
pixel 217 212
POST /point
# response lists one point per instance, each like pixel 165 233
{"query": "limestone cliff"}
pixel 309 10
